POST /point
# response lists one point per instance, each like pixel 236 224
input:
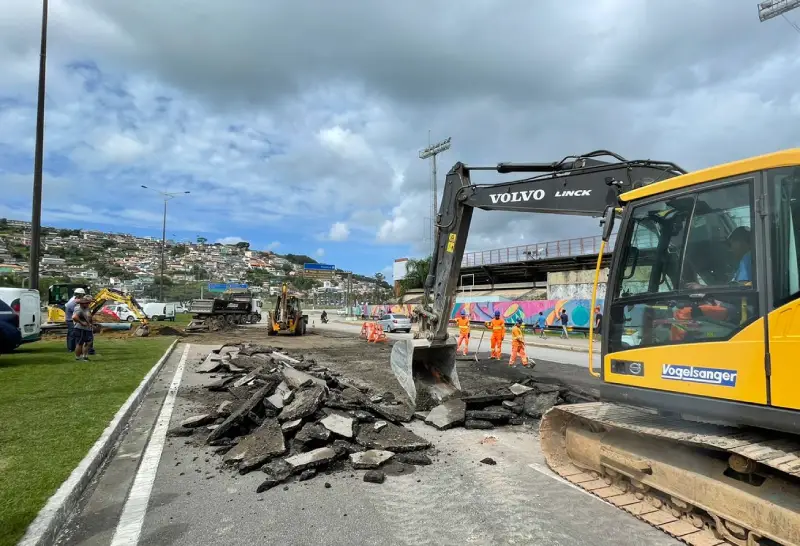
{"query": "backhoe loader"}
pixel 697 429
pixel 288 315
pixel 59 295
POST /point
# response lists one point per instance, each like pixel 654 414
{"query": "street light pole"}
pixel 432 151
pixel 38 159
pixel 167 196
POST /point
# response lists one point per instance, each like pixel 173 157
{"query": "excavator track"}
pixel 704 484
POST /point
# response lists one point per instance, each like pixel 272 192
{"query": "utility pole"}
pixel 166 196
pixel 38 160
pixel 431 152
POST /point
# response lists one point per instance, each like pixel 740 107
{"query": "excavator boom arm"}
pixel 109 294
pixel 581 186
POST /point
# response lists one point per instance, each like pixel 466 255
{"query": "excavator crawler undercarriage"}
pixel 704 484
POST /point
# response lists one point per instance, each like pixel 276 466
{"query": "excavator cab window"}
pixel 692 281
pixel 784 189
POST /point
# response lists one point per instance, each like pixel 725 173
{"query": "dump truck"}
pixel 230 309
pixel 697 429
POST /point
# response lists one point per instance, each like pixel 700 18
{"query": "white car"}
pixel 394 322
pixel 26 305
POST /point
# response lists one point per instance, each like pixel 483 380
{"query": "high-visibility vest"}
pixel 517 335
pixel 497 326
pixel 463 325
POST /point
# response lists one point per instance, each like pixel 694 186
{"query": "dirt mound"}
pixel 166 331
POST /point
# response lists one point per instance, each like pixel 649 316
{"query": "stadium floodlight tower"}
pixel 773 8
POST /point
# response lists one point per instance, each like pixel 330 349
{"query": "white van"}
pixel 26 304
pixel 160 311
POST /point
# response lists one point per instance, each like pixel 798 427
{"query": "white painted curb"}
pixel 48 523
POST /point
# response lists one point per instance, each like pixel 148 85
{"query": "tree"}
pixel 305 283
pixel 201 240
pixel 244 245
pixel 377 292
pixel 3 223
pixel 300 259
pixel 416 273
pixel 287 268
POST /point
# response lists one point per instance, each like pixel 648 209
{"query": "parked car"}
pixel 25 303
pixel 10 336
pixel 123 312
pixel 394 322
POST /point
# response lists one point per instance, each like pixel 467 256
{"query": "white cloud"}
pixel 272 246
pixel 344 142
pixel 319 253
pixel 231 240
pixel 339 232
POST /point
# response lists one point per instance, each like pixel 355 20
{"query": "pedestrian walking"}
pixel 564 321
pixel 69 310
pixel 541 322
pixel 82 329
pixel 598 321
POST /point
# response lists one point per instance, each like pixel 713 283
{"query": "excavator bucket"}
pixel 142 331
pixel 426 371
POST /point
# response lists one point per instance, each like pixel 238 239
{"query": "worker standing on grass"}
pixel 69 310
pixel 463 331
pixel 82 331
pixel 498 328
pixel 518 345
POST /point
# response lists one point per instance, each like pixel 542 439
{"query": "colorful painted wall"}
pixel 578 310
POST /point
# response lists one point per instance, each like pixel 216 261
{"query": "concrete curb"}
pixel 48 523
pixel 560 347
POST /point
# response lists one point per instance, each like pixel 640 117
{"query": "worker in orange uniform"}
pixel 498 328
pixel 463 331
pixel 518 345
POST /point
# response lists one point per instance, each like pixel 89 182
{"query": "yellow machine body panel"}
pixel 784 346
pixel 732 370
pixel 783 158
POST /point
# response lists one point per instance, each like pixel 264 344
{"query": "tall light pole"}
pixel 38 159
pixel 167 196
pixel 432 151
pixel 773 8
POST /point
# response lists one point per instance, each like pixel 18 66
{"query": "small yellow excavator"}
pixel 288 315
pixel 698 430
pixel 59 294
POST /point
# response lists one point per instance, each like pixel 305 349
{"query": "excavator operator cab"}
pixel 60 294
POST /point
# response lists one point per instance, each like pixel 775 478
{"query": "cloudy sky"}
pixel 297 125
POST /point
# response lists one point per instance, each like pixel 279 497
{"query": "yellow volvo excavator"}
pixel 697 430
pixel 59 295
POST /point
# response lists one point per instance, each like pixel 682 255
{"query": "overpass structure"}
pixel 531 263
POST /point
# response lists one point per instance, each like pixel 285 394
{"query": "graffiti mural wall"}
pixel 578 310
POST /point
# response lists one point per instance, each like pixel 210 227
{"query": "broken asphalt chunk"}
pixel 224 409
pixel 448 414
pixel 258 447
pixel 391 438
pixel 244 380
pixel 220 384
pixel 374 476
pixel 305 403
pixel 494 416
pixel 290 426
pixel 478 424
pixel 313 459
pixel 489 461
pixel 518 389
pixel 536 405
pixel 414 457
pixel 297 379
pixel 339 424
pixel 180 432
pixel 235 419
pixel 363 416
pixel 487 398
pixel 212 363
pixel 313 432
pixel 372 458
pixel 198 420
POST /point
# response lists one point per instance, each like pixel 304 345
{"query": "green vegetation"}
pixel 300 259
pixel 416 273
pixel 52 411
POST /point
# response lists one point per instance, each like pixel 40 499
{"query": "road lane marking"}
pixel 129 528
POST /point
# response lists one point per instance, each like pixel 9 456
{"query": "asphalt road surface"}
pixel 157 492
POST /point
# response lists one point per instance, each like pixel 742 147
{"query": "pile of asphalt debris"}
pixel 293 418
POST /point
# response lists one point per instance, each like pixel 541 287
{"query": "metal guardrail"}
pixel 565 248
